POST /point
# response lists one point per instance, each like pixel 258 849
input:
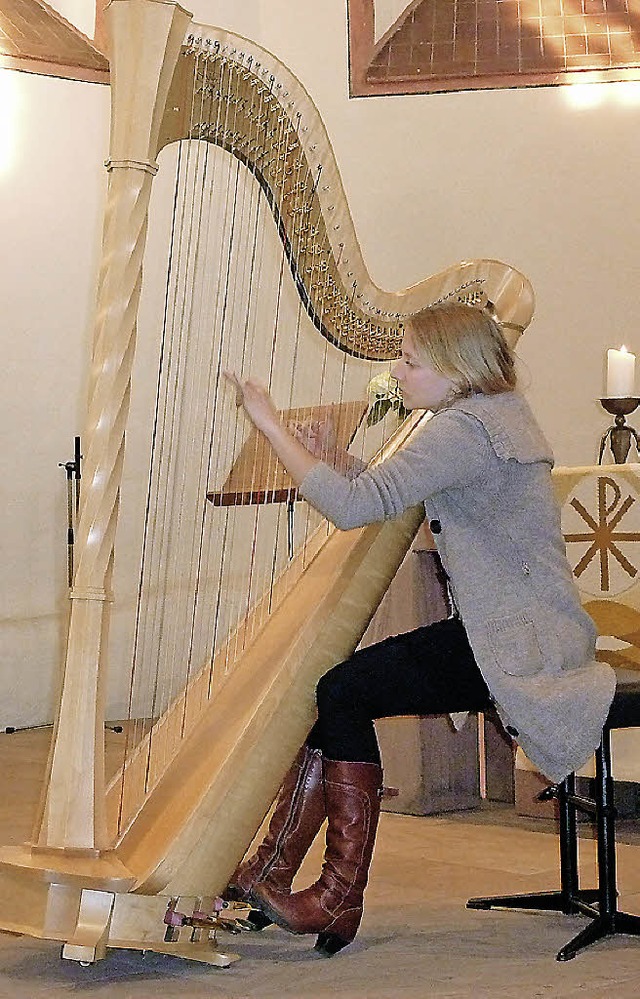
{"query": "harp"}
pixel 227 628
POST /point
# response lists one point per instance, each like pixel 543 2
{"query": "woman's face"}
pixel 421 386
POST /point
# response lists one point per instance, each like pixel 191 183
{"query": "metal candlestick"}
pixel 619 436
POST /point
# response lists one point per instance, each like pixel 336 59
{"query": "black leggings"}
pixel 425 672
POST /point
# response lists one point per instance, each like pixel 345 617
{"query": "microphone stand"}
pixel 74 474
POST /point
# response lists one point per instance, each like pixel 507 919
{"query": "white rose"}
pixel 384 386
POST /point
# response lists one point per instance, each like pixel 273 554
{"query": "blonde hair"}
pixel 465 345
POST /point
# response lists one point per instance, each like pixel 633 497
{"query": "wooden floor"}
pixel 417 939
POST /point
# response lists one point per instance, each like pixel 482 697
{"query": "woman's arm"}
pixel 450 451
pixel 299 446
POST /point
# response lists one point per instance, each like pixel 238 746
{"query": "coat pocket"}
pixel 515 645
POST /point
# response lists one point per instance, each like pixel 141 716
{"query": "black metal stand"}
pixel 601 903
pixel 74 474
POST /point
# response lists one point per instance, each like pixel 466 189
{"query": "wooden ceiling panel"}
pixel 36 39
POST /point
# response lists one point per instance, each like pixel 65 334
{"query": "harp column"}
pixel 146 37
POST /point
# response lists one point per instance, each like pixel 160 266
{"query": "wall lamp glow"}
pixel 584 96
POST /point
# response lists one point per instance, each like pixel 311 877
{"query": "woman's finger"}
pixel 232 377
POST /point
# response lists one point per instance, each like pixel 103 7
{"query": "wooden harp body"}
pixel 225 709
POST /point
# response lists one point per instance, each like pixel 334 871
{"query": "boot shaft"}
pixel 352 795
pixel 297 817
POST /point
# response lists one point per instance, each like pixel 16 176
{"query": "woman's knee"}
pixel 335 688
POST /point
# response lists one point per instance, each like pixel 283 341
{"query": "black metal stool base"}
pixel 544 901
pixel 556 901
pixel 600 928
pixel 599 904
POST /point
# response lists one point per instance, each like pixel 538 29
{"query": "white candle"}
pixel 621 366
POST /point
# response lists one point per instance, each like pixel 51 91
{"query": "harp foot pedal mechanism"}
pixel 204 926
pixel 255 921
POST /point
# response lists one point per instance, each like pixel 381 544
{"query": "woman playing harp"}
pixel 517 637
pixel 252 221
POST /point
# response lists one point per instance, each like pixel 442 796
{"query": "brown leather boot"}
pixel 332 906
pixel 299 813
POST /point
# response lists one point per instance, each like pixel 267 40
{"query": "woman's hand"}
pixel 256 401
pixel 318 436
pixel 299 446
pixel 259 407
pixel 320 439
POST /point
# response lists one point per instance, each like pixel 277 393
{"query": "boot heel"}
pixel 329 944
pixel 258 920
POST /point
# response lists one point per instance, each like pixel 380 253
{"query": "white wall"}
pixel 81 13
pixel 518 174
pixel 51 193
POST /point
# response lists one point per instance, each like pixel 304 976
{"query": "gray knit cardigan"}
pixel 482 468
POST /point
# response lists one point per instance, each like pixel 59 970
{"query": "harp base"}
pixel 202 952
pixel 89 923
pixel 101 871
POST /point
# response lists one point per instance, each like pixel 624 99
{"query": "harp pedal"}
pixel 203 924
pixel 198 920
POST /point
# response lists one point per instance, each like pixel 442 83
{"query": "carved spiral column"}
pixel 147 36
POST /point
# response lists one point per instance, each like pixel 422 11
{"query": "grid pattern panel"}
pixel 34 37
pixel 458 44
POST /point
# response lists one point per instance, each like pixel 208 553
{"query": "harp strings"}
pixel 253 328
pixel 230 178
pixel 172 558
pixel 212 365
pixel 161 618
pixel 210 575
pixel 228 534
pixel 138 720
pixel 254 579
pixel 262 571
